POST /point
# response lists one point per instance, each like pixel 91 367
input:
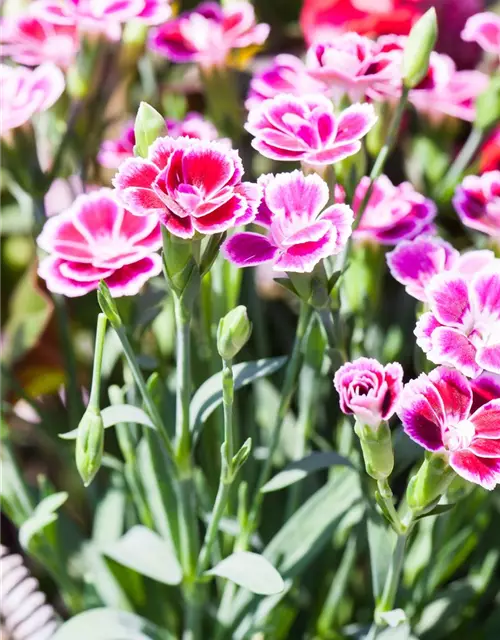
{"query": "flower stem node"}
pixel 376 445
pixel 233 332
pixel 89 444
pixel 418 49
pixel 429 484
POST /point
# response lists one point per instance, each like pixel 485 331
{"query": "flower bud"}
pixel 89 444
pixel 149 125
pixel 233 333
pixel 429 484
pixel 376 445
pixel 418 49
pixel 488 106
pixel 108 305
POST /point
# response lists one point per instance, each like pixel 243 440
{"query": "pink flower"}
pixel 208 34
pixel 435 410
pixel 32 41
pixel 484 28
pixel 393 213
pixel 485 387
pixel 24 92
pixel 286 74
pixel 307 129
pixel 369 390
pixel 352 64
pixel 191 186
pixel 113 152
pixel 299 232
pixel 477 202
pixel 97 239
pixel 462 328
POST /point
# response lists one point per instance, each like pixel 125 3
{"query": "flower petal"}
pixel 489 358
pixel 449 299
pixel 248 249
pixel 455 391
pixel 422 413
pixel 482 471
pixel 129 280
pixel 355 122
pixel 454 349
pixel 293 193
pixel 486 420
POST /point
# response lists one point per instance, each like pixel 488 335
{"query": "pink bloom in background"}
pixel 307 129
pixel 484 28
pixel 24 92
pixel 299 232
pixel 368 390
pixel 209 33
pixel 32 41
pixel 477 202
pixel 462 328
pixel 113 152
pixel 97 239
pixel 286 74
pixel 352 64
pixel 190 186
pixel 393 213
pixel 435 410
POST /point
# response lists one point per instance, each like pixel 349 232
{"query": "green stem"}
pixel 183 397
pixel 95 390
pixel 462 161
pixel 386 494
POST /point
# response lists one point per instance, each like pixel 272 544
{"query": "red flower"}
pixel 489 156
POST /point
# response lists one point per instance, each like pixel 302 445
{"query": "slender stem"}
pixel 211 533
pixel 462 161
pixel 386 494
pixel 183 397
pixel 95 390
pixel 228 399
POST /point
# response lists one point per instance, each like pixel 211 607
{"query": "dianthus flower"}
pixel 484 28
pixel 477 202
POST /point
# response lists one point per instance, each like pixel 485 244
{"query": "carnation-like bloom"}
pixel 477 202
pixel 24 92
pixel 190 186
pixel 97 239
pixel 299 232
pixel 33 41
pixel 286 74
pixel 484 28
pixel 368 390
pixel 352 64
pixel 113 152
pixel 307 129
pixel 462 328
pixel 393 213
pixel 489 154
pixel 209 33
pixel 435 410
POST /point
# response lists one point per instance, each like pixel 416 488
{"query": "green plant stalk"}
pixel 95 389
pixel 462 161
pixel 386 495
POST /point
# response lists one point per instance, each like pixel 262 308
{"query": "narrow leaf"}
pixel 43 515
pixel 108 624
pixel 116 414
pixel 438 509
pixel 250 571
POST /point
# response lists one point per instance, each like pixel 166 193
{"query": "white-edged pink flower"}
pixel 462 327
pixel 477 202
pixel 307 129
pixel 209 33
pixel 300 232
pixel 354 65
pixel 484 28
pixel 24 92
pixel 33 41
pixel 97 239
pixel 436 412
pixel 191 186
pixel 369 390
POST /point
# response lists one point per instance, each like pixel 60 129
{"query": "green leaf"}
pixel 438 509
pixel 250 571
pixel 300 469
pixel 43 515
pixel 209 395
pixel 381 542
pixel 393 618
pixel 142 550
pixel 115 415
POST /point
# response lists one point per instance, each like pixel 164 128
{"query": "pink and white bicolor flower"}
pixel 484 28
pixel 435 410
pixel 191 186
pixel 307 129
pixel 369 390
pixel 97 239
pixel 462 328
pixel 299 232
pixel 477 202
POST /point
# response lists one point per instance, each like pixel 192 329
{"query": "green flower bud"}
pixel 89 444
pixel 149 125
pixel 108 305
pixel 418 49
pixel 488 106
pixel 233 333
pixel 376 445
pixel 429 484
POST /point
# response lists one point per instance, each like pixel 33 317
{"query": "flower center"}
pixel 459 436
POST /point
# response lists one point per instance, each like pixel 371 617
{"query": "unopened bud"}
pixel 89 444
pixel 429 484
pixel 488 106
pixel 149 125
pixel 376 444
pixel 418 48
pixel 233 333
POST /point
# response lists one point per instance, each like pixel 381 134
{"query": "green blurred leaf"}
pixel 250 571
pixel 43 515
pixel 116 414
pixel 300 469
pixel 438 509
pixel 381 542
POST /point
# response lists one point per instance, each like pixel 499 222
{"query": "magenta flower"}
pixel 286 74
pixel 33 41
pixel 368 390
pixel 436 413
pixel 484 28
pixel 354 65
pixel 485 387
pixel 477 202
pixel 393 213
pixel 190 186
pixel 299 232
pixel 97 239
pixel 24 92
pixel 462 328
pixel 208 34
pixel 307 129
